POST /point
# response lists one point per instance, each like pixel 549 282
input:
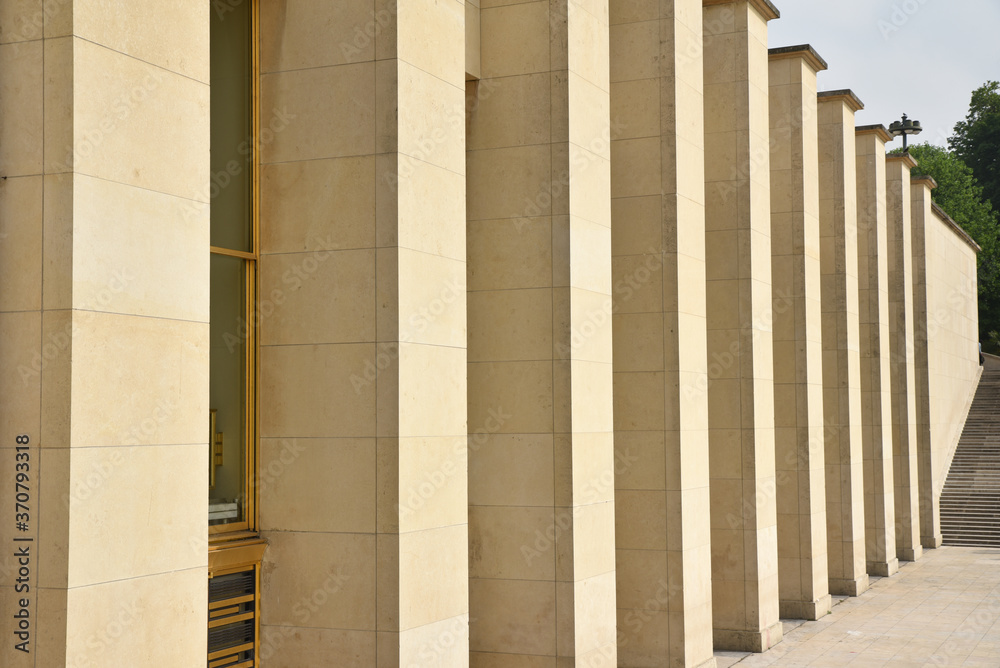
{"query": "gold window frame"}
pixel 249 524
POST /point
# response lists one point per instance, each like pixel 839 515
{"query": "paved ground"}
pixel 943 610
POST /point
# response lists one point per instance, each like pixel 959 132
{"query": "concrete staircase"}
pixel 970 501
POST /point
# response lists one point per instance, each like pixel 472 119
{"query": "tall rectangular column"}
pixel 104 334
pixel 901 351
pixel 745 606
pixel 363 498
pixel 541 465
pixel 921 216
pixel 876 396
pixel 797 323
pixel 841 344
pixel 658 265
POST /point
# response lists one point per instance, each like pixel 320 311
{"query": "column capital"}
pixel 878 130
pixel 803 51
pixel 846 96
pixel 924 180
pixel 904 158
pixel 765 7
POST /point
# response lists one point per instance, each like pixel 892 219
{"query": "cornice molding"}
pixel 877 130
pixel 904 158
pixel 764 7
pixel 803 51
pixel 846 96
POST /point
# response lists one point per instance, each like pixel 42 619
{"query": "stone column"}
pixel 104 335
pixel 738 275
pixel 876 396
pixel 363 360
pixel 841 346
pixel 658 266
pixel 902 376
pixel 921 216
pixel 541 466
pixel 798 359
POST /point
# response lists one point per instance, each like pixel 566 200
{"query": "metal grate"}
pixel 232 611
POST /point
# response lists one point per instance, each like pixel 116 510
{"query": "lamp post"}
pixel 905 127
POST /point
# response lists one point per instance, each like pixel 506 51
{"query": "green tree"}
pixel 977 139
pixel 962 197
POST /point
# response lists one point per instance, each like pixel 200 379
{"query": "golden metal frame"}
pixel 251 371
pixel 236 546
pixel 254 375
pixel 233 253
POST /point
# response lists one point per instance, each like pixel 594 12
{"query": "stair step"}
pixel 970 500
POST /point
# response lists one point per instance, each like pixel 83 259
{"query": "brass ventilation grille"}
pixel 232 611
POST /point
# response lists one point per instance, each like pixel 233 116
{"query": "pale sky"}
pixel 919 57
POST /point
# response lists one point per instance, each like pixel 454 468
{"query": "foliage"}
pixel 958 193
pixel 977 139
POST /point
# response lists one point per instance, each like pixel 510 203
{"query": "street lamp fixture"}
pixel 905 127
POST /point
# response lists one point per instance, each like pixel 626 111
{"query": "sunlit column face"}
pixel 233 262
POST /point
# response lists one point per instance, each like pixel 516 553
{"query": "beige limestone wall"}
pixel 952 349
pixel 841 343
pixel 541 460
pixel 876 394
pixel 738 294
pixel 658 270
pixel 104 329
pixel 901 354
pixel 363 492
pixel 798 362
